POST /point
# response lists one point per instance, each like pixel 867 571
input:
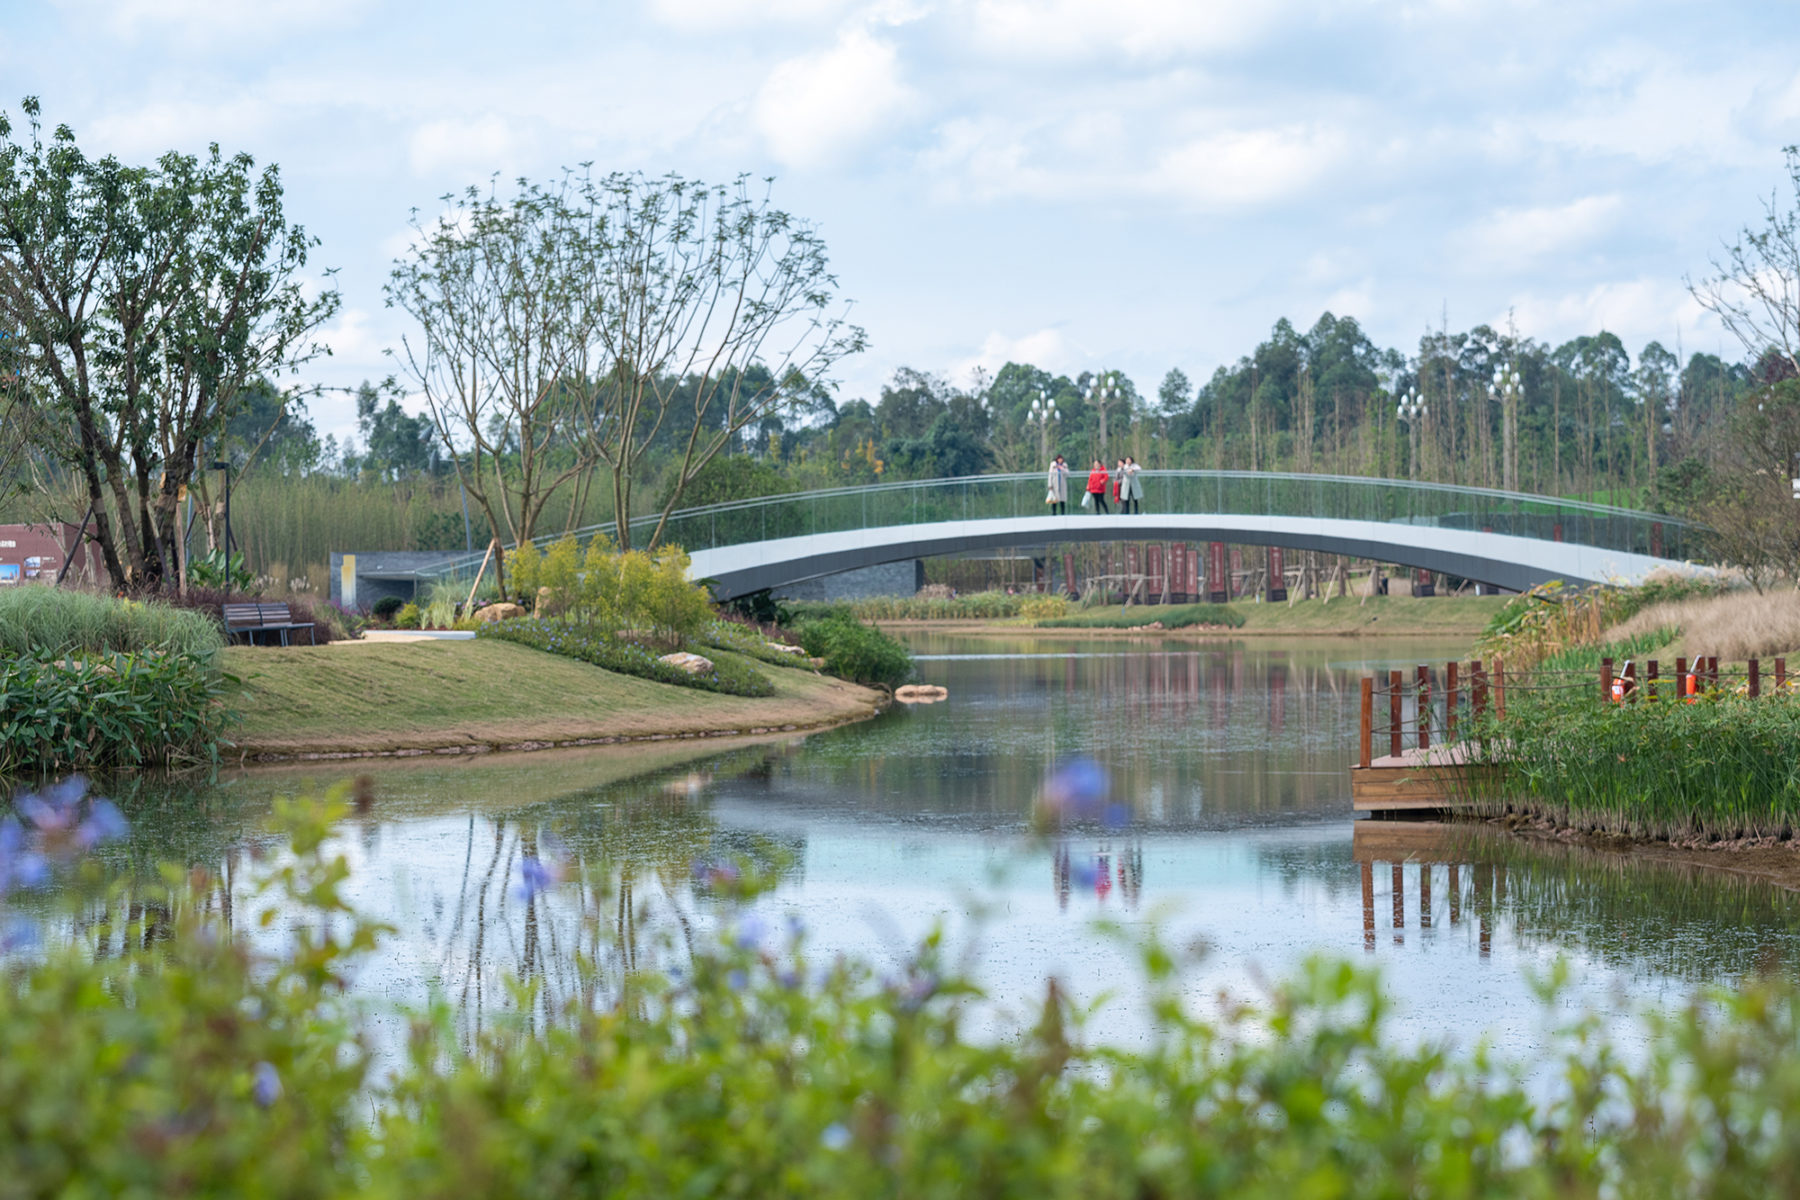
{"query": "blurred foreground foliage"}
pixel 199 1057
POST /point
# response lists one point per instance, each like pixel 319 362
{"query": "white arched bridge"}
pixel 1504 539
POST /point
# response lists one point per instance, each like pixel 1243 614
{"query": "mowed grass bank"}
pixel 381 698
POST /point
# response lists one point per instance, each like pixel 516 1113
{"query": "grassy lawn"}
pixel 1397 615
pixel 428 695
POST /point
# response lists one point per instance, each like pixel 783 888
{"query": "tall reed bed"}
pixel 1723 767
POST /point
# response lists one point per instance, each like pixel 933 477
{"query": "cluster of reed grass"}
pixel 1725 766
pixel 49 621
pixel 1732 625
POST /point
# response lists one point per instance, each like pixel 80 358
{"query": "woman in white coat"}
pixel 1131 489
pixel 1058 499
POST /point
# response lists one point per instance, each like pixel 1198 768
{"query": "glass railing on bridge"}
pixel 1232 493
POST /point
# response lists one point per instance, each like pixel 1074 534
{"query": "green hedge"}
pixel 1172 616
pixel 730 675
pixel 854 651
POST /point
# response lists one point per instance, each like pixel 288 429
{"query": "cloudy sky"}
pixel 1133 184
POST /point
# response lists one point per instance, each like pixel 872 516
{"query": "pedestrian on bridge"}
pixel 1098 480
pixel 1131 490
pixel 1058 499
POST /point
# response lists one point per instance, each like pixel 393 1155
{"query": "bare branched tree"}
pixel 699 283
pixel 504 291
pixel 1754 289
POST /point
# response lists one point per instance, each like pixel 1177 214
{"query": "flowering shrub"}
pixel 108 710
pixel 206 1062
pixel 614 653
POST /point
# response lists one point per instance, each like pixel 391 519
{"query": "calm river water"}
pixel 1229 759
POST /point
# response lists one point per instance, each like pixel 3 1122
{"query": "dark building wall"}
pixel 375 573
pixel 889 579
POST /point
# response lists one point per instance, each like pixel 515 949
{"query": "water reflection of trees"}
pixel 1672 920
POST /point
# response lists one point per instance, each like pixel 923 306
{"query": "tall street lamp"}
pixel 1100 393
pixel 1043 411
pixel 1508 387
pixel 1412 410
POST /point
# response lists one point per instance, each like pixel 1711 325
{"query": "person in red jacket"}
pixel 1097 483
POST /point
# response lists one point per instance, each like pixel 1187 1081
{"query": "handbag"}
pixel 1049 497
pixel 1087 499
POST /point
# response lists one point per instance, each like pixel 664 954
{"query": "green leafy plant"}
pixel 215 569
pixel 407 617
pixel 384 608
pixel 1172 616
pixel 108 710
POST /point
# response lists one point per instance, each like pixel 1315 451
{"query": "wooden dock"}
pixel 1414 782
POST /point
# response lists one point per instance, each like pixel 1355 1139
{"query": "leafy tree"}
pixel 1175 392
pixel 730 477
pixel 696 283
pixel 505 294
pixel 145 300
pixel 1754 289
pixel 396 444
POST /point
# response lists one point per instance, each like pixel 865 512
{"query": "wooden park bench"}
pixel 252 619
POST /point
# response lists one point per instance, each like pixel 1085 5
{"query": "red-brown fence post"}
pixel 1606 681
pixel 1683 688
pixel 1422 704
pixel 1452 693
pixel 1396 681
pixel 1780 674
pixel 1368 720
pixel 1755 673
pixel 1477 688
pixel 1630 681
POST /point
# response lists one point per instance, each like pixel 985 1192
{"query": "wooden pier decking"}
pixel 1414 781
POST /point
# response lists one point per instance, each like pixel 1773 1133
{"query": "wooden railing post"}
pixel 1396 681
pixel 1606 681
pixel 1477 688
pixel 1423 705
pixel 1681 679
pixel 1451 696
pixel 1630 680
pixel 1755 673
pixel 1780 674
pixel 1368 718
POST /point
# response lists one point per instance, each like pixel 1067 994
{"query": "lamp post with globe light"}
pixel 1101 392
pixel 1043 412
pixel 1412 410
pixel 1508 388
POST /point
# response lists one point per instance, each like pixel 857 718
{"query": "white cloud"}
pixel 1245 167
pixel 1517 237
pixel 212 22
pixel 484 144
pixel 143 132
pixel 715 16
pixel 1138 28
pixel 818 106
pixel 1046 348
pixel 1637 310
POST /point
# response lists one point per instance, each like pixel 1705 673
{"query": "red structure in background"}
pixel 1276 584
pixel 1218 583
pixel 38 553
